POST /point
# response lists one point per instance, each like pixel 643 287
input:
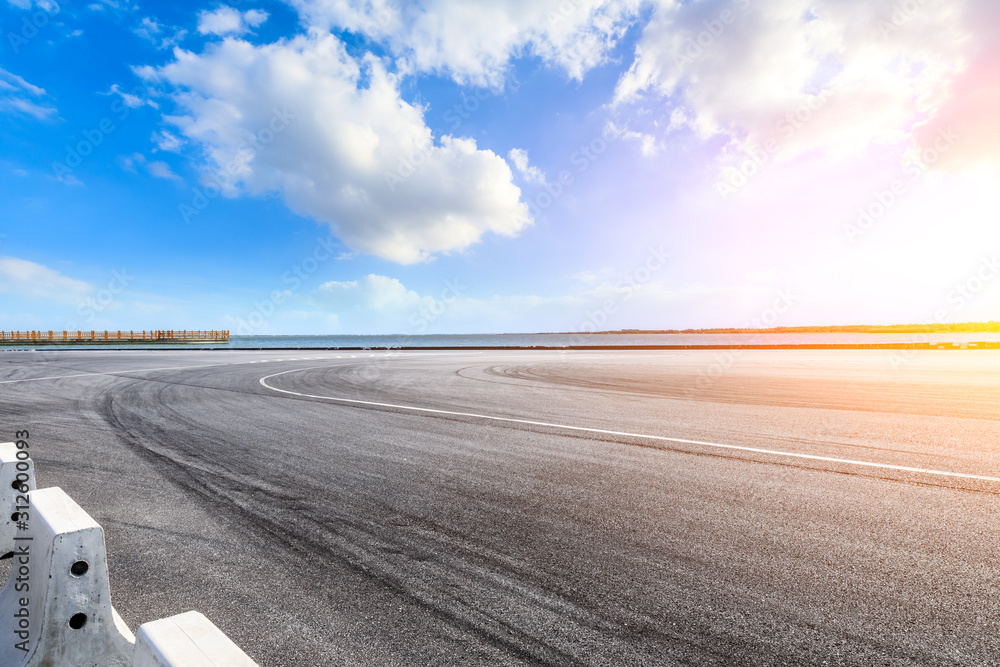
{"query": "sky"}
pixel 439 166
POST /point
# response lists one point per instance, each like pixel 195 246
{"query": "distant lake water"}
pixel 566 340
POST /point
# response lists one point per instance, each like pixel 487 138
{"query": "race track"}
pixel 538 507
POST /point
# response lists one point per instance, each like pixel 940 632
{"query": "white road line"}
pixel 661 438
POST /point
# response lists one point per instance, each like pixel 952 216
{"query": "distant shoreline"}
pixel 961 327
pixel 976 345
pixel 718 339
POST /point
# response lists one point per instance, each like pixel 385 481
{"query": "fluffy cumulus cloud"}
pixel 834 75
pixel 474 42
pixel 229 21
pixel 24 278
pixel 20 97
pixel 333 136
pixel 374 296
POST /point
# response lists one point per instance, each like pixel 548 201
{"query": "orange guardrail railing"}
pixel 94 336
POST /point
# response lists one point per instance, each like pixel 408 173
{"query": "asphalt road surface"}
pixel 538 507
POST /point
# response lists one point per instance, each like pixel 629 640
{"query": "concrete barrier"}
pixel 55 610
pixel 17 477
pixel 186 640
pixel 57 595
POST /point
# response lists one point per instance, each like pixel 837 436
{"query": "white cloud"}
pixel 12 82
pixel 381 304
pixel 69 179
pixel 19 96
pixel 744 70
pixel 130 100
pixel 475 42
pixel 162 36
pixel 973 101
pixel 21 277
pixel 46 5
pixel 157 168
pixel 874 73
pixel 647 142
pixel 166 141
pixel 530 173
pixel 374 292
pixel 335 286
pixel 130 162
pixel 115 7
pixel 27 107
pixel 331 134
pixel 229 21
pixel 593 276
pixel 161 169
pixel 149 26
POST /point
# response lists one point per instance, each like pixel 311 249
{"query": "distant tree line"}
pixel 992 326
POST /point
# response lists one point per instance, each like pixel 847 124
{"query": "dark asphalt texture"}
pixel 322 533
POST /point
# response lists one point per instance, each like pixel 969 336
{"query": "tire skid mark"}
pixel 265 508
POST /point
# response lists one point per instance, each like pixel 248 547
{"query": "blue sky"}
pixel 332 166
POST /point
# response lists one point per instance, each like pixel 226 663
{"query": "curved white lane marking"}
pixel 661 438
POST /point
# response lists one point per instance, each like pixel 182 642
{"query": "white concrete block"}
pixel 186 640
pixel 17 476
pixel 55 610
